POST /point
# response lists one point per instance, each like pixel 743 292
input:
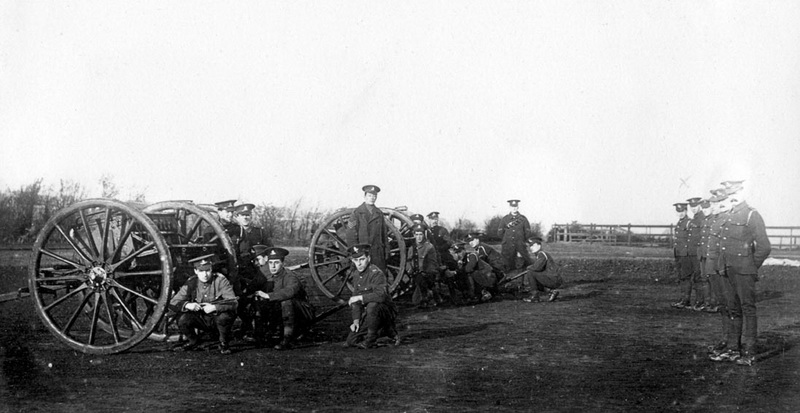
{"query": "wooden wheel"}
pixel 90 264
pixel 327 254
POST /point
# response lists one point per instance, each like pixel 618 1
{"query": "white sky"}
pixel 589 110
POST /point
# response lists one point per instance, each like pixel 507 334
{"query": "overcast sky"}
pixel 595 111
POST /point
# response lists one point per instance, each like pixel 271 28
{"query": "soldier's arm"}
pixel 539 264
pixel 762 245
pixel 225 293
pixel 179 300
pixel 289 291
pixel 526 228
pixel 379 290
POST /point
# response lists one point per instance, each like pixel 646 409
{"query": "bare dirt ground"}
pixel 611 343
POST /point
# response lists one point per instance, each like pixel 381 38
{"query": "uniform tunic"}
pixel 287 293
pixel 376 311
pixel 193 291
pixel 440 238
pixel 744 246
pixel 367 226
pixel 424 261
pixel 515 230
pixel 543 272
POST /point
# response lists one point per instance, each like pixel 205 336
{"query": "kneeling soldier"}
pixel 542 274
pixel 206 303
pixel 280 292
pixel 373 310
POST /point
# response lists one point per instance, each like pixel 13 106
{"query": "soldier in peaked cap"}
pixel 711 303
pixel 744 246
pixel 424 267
pixel 366 225
pixel 373 311
pixel 543 273
pixel 700 283
pixel 480 265
pixel 440 238
pixel 717 282
pixel 206 302
pixel 281 298
pixel 244 236
pixel 683 259
pixel 225 211
pixel 515 230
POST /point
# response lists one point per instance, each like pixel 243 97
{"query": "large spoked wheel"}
pixel 191 231
pixel 327 255
pixel 90 264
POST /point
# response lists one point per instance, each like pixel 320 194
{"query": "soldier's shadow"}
pixel 768 295
pixel 580 295
pixel 771 344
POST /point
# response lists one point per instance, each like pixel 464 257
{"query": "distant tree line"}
pixel 24 211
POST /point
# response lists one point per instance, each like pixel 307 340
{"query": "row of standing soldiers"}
pixel 718 252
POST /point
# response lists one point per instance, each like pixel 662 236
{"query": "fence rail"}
pixel 781 237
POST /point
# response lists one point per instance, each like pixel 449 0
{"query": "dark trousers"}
pixel 538 281
pixel 686 268
pixel 291 315
pixel 740 299
pixel 217 324
pixel 377 320
pixel 509 253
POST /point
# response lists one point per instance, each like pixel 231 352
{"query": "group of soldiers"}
pixel 272 301
pixel 718 252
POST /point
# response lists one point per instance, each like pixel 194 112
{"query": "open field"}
pixel 611 343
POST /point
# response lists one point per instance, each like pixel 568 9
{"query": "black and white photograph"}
pixel 382 206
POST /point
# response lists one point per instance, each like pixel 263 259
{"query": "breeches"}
pixel 220 323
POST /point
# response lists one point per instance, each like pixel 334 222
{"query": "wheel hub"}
pixel 98 276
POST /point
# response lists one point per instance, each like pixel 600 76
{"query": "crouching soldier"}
pixel 424 267
pixel 482 265
pixel 281 297
pixel 205 303
pixel 543 274
pixel 373 310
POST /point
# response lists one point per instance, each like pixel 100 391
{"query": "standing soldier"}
pixel 366 226
pixel 716 280
pixel 280 297
pixel 711 304
pixel 744 246
pixel 244 236
pixel 371 305
pixel 683 260
pixel 225 211
pixel 515 231
pixel 700 283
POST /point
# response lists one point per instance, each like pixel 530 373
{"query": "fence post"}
pixel 629 234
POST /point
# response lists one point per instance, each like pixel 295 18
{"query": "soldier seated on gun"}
pixel 424 268
pixel 371 305
pixel 543 274
pixel 281 297
pixel 205 303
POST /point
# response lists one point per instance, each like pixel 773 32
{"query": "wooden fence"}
pixel 781 237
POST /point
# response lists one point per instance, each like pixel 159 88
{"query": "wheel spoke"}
pixel 340 262
pixel 72 244
pixel 89 236
pixel 107 305
pixel 60 258
pixel 344 284
pixel 66 296
pixel 337 252
pixel 62 278
pixel 136 293
pixel 76 313
pixel 336 238
pixel 95 317
pixel 106 227
pixel 336 274
pixel 121 242
pixel 126 310
pixel 195 226
pixel 133 255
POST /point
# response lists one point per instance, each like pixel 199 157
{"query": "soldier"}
pixel 366 226
pixel 372 308
pixel 481 266
pixel 244 236
pixel 683 261
pixel 515 230
pixel 700 283
pixel 206 302
pixel 542 274
pixel 716 280
pixel 711 305
pixel 440 238
pixel 281 297
pixel 424 266
pixel 225 211
pixel 744 246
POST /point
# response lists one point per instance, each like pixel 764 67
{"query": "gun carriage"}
pixel 102 272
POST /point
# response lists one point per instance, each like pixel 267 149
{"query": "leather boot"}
pixel 286 341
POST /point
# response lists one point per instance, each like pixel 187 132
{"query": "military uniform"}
pixel 543 273
pixel 514 229
pixel 744 246
pixel 706 270
pixel 425 266
pixel 375 311
pixel 684 257
pixel 716 281
pixel 695 235
pixel 217 291
pixel 366 225
pixel 287 308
